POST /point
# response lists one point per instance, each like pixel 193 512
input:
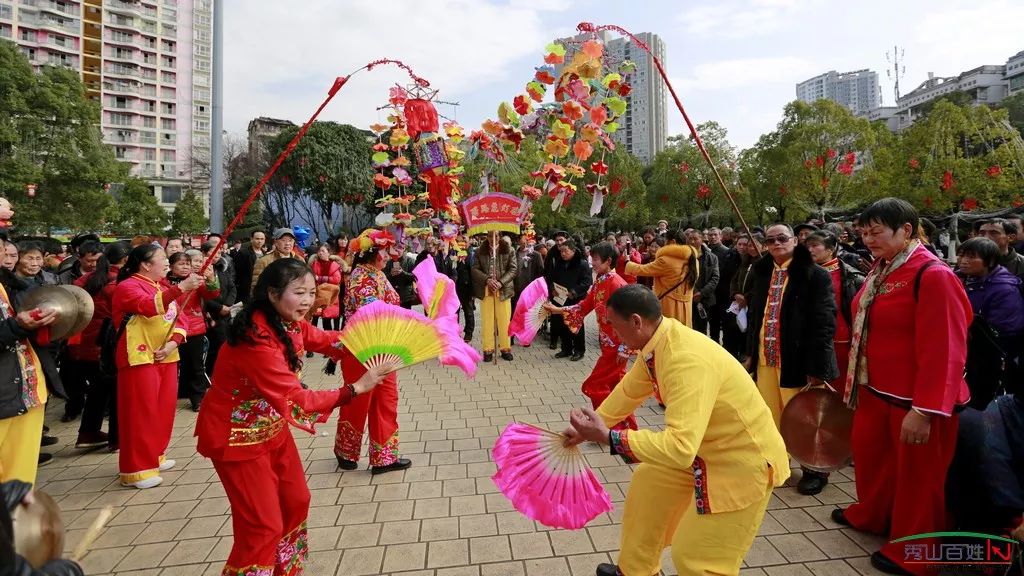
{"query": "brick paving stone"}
pixel 443 516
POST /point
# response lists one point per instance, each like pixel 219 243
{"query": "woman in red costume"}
pixel 147 362
pixel 243 426
pixel 367 283
pixel 905 381
pixel 611 365
pixel 327 269
pixel 192 378
pixel 846 282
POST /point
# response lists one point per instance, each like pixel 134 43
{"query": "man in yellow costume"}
pixel 704 482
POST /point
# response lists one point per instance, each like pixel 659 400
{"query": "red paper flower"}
pixel 572 110
pixel 544 76
pixel 703 191
pixel 378 147
pixel 819 161
pixel 624 90
pixel 808 164
pixel 845 169
pixel 914 163
pixel 381 181
pixel 928 201
pixel 1018 202
pixel 994 171
pixel 599 168
pixel 616 186
pixel 531 192
pixel 553 58
pixel 684 167
pixel 831 153
pixel 522 105
pixel 850 158
pixel 598 115
pixel 970 204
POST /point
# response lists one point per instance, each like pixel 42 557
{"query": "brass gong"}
pixel 38 530
pixel 73 305
pixel 816 425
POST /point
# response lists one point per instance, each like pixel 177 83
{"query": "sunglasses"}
pixel 780 239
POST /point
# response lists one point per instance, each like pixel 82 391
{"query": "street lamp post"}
pixel 217 122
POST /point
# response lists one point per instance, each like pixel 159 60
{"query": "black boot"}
pixel 812 482
pixel 400 464
pixel 608 570
pixel 347 464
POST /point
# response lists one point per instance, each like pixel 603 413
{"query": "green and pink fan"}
pixel 545 480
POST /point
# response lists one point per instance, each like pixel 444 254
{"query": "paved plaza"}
pixel 442 517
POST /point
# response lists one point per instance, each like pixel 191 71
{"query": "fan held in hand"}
pixel 436 291
pixel 381 334
pixel 530 313
pixel 546 481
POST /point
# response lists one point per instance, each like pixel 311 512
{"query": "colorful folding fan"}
pixel 546 481
pixel 530 313
pixel 381 334
pixel 436 291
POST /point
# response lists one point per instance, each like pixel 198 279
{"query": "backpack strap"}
pixel 920 272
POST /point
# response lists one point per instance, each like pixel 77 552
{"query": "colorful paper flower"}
pixel 404 218
pixel 599 168
pixel 627 67
pixel 397 96
pixel 401 177
pixel 970 204
pixel 624 89
pixel 598 115
pixel 914 163
pixel 381 181
pixel 582 150
pixel 454 132
pixel 575 170
pixel 615 105
pixel 378 128
pixel 491 127
pixel 507 114
pixel 536 90
pixel 400 160
pixel 592 48
pixel 380 147
pixel 572 110
pixel 555 53
pixel 616 186
pixel 562 129
pixel 703 191
pixel 522 105
pixel 830 153
pixel 380 159
pixel 545 75
pixel 577 90
pixel 590 132
pixel 531 192
pixel 399 138
pixel 994 171
pixel 611 128
pixel 448 230
pixel 425 214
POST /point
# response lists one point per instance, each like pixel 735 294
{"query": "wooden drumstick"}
pixel 93 533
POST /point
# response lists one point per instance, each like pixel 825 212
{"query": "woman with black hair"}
pixel 85 349
pixel 144 312
pixel 378 411
pixel 192 378
pixel 243 426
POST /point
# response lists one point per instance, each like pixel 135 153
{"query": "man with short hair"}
pixel 284 246
pixel 704 482
pixel 728 262
pixel 802 231
pixel 1004 233
pixel 1017 244
pixel 174 245
pixel 728 236
pixel 707 281
pixel 218 309
pixel 245 261
pixel 791 322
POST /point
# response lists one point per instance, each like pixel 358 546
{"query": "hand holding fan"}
pixel 546 481
pixel 436 291
pixel 381 334
pixel 530 314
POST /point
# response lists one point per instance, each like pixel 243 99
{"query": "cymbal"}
pixel 39 530
pixel 73 305
pixel 816 425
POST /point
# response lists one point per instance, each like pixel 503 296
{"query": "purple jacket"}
pixel 998 298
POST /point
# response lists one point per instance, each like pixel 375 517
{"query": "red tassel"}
pixel 439 189
pixel 420 116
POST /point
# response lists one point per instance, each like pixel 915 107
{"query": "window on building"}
pixel 6 12
pixel 201 125
pixel 202 65
pixel 121 153
pixel 120 102
pixel 27 35
pixel 167 108
pixel 167 155
pixel 170 194
pixel 149 154
pixel 149 106
pixel 168 78
pixel 149 122
pixel 167 124
pixel 201 108
pixel 120 119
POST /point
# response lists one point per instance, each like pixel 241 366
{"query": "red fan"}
pixel 546 481
pixel 530 313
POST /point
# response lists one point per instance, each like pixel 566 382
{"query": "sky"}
pixel 733 61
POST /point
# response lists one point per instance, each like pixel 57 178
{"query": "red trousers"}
pixel 843 361
pixel 147 397
pixel 607 373
pixel 269 505
pixel 900 486
pixel 380 406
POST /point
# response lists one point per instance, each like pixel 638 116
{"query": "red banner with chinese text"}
pixel 493 211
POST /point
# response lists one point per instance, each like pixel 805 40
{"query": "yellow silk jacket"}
pixel 717 426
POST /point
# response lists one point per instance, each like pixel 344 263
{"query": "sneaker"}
pixel 151 482
pixel 167 465
pixel 48 440
pixel 45 458
pixel 506 355
pixel 400 464
pixel 93 440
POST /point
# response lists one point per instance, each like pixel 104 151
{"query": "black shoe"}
pixel 400 464
pixel 608 570
pixel 839 517
pixel 812 483
pixel 48 440
pixel 488 357
pixel 309 354
pixel 553 344
pixel 347 464
pixel 194 406
pixel 46 429
pixel 563 354
pixel 93 440
pixel 70 415
pixel 576 357
pixel 883 563
pixel 506 356
pixel 45 458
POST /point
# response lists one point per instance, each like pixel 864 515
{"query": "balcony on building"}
pixel 60 8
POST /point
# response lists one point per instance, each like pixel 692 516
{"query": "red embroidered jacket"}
pixel 255 394
pixel 367 284
pixel 597 301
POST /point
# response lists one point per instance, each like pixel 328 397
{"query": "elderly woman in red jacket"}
pixel 192 378
pixel 243 427
pixel 905 381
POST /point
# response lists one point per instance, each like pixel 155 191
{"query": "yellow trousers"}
pixel 19 445
pixel 774 396
pixel 491 311
pixel 660 511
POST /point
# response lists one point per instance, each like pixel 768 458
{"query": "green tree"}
pixel 1014 106
pixel 49 136
pixel 189 216
pixel 136 210
pixel 330 165
pixel 766 197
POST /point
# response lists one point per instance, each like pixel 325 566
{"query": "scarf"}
pixel 858 373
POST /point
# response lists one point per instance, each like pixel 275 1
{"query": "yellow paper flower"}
pixel 574 170
pixel 590 132
pixel 562 130
pixel 556 147
pixel 399 138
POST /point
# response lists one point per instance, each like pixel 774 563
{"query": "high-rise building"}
pixel 147 62
pixel 858 90
pixel 643 129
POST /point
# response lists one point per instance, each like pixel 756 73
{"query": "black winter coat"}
pixel 728 266
pixel 575 274
pixel 10 370
pixel 807 323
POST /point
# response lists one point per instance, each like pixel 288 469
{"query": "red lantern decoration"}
pixel 970 204
pixel 994 171
pixel 616 186
pixel 914 163
pixel 947 181
pixel 703 191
